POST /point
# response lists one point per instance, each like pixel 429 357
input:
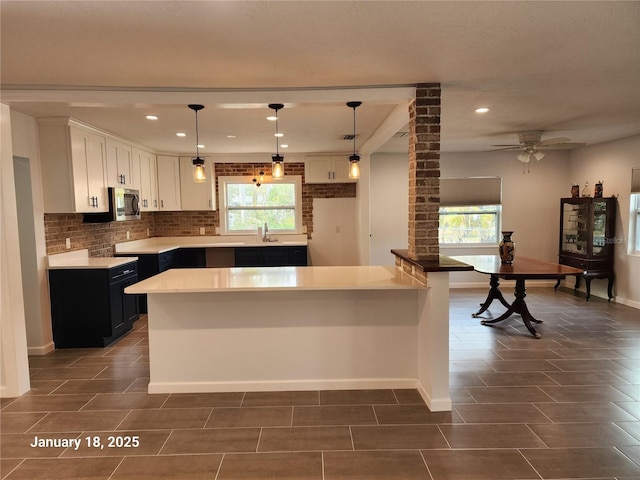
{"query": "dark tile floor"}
pixel 566 406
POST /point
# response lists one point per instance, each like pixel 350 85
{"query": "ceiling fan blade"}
pixel 507 145
pixel 505 148
pixel 552 141
pixel 561 146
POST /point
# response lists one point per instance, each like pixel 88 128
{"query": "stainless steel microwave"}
pixel 124 204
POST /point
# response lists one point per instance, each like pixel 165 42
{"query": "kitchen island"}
pixel 298 328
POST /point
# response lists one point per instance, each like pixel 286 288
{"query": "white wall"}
pixel 14 365
pixel 388 206
pixel 530 201
pixel 612 162
pixel 24 133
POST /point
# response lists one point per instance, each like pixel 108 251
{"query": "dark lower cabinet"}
pixel 89 307
pixel 271 256
pixel 152 264
pixel 192 258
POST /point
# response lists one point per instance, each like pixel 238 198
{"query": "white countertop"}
pixel 250 279
pixel 80 259
pixel 157 245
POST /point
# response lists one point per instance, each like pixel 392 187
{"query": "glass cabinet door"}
pixel 601 242
pixel 575 228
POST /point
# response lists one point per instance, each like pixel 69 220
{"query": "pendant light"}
pixel 199 174
pixel 277 160
pixel 354 159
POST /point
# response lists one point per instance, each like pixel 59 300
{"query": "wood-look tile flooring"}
pixel 566 406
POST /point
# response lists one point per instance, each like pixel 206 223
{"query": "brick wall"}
pixel 424 172
pixel 100 238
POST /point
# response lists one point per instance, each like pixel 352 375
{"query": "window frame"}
pixel 224 181
pixel 498 224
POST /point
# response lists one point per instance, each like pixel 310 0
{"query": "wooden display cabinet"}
pixel 587 238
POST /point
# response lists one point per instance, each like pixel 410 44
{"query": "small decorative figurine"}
pixel 597 192
pixel 585 190
pixel 575 190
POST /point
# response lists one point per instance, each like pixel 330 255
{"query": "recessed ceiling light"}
pixel 284 145
pixel 151 117
pixel 200 145
pixel 272 118
pixel 482 110
pixel 231 136
pixel 278 134
pixel 181 134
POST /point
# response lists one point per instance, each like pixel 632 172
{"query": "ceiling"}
pixel 571 69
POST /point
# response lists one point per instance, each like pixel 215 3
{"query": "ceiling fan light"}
pixel 523 157
pixel 539 155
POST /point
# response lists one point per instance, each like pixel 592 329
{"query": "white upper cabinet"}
pixel 168 183
pixel 327 169
pixel 197 196
pixel 74 170
pixel 119 164
pixel 146 179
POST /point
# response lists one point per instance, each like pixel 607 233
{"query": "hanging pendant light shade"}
pixel 354 158
pixel 277 160
pixel 199 173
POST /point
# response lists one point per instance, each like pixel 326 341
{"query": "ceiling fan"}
pixel 531 142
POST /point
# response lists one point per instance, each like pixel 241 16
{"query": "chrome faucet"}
pixel 265 231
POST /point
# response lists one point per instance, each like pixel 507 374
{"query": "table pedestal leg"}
pixel 494 293
pixel 519 306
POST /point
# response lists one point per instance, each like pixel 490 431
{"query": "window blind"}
pixel 455 192
pixel 635 180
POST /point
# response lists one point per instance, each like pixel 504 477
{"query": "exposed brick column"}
pixel 424 172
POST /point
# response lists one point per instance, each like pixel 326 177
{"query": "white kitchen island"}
pixel 298 328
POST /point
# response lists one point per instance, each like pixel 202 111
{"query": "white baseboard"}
pixel 627 302
pixel 41 350
pixel 286 385
pixel 434 404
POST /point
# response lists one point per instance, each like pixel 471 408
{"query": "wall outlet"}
pixel 201 230
pixel 217 230
pixel 147 232
pixel 304 229
pixel 67 243
pixel 128 235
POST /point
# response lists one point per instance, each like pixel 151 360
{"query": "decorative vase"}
pixel 507 249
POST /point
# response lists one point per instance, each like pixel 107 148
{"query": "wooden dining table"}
pixel 522 269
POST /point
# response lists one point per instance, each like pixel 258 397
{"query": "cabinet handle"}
pixel 209 203
pixel 155 203
pixel 96 202
pixel 124 179
pixel 162 203
pixel 328 175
